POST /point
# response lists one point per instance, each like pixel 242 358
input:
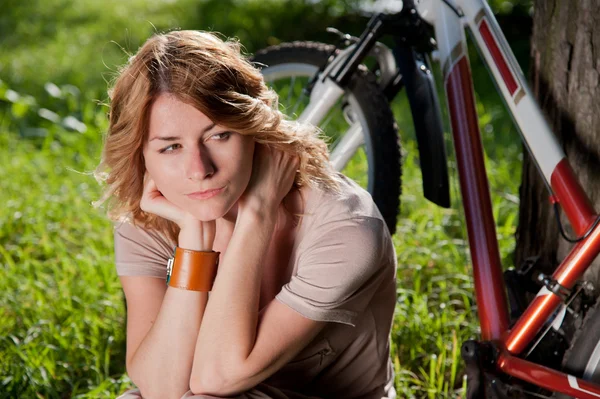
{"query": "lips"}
pixel 205 194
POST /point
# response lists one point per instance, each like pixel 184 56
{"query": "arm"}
pixel 162 327
pixel 237 348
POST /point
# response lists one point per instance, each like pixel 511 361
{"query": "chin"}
pixel 207 215
pixel 208 211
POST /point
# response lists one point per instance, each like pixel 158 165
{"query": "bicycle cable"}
pixel 456 10
pixel 562 231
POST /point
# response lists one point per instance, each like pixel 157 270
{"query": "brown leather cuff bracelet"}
pixel 192 270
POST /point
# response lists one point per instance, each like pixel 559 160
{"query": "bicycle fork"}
pixel 328 89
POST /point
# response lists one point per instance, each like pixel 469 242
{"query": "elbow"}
pixel 149 388
pixel 159 392
pixel 211 381
pixel 138 381
pixel 207 384
pixel 133 376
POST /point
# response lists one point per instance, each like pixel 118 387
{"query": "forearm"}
pixel 161 366
pixel 228 331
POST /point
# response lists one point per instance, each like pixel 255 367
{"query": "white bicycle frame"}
pixel 450 36
pixel 449 19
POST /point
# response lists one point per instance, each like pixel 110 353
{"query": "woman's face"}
pixel 201 167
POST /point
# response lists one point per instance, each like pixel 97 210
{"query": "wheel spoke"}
pixel 329 118
pixel 297 104
pixel 292 87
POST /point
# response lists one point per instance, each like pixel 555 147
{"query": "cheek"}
pixel 163 174
pixel 235 160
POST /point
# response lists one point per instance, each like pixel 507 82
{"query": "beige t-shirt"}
pixel 343 271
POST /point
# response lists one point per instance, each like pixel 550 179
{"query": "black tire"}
pixel 382 145
pixel 584 351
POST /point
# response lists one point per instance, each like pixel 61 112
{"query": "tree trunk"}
pixel 565 50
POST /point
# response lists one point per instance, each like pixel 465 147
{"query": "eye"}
pixel 220 136
pixel 169 148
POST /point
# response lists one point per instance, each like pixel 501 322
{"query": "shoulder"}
pixel 346 220
pixel 140 251
pixel 344 255
pixel 351 204
pixel 125 230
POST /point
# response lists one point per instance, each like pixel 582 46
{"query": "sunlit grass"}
pixel 61 308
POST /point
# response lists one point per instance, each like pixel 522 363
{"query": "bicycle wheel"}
pixel 582 359
pixel 375 163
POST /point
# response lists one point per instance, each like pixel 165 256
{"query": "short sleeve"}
pixel 339 270
pixel 139 252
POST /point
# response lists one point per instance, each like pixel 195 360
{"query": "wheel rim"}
pixel 288 80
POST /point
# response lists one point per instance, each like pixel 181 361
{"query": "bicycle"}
pixel 514 326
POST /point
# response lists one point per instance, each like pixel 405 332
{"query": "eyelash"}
pixel 222 136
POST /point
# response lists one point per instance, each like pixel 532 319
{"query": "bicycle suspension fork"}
pixel 329 88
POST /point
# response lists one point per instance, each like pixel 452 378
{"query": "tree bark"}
pixel 565 52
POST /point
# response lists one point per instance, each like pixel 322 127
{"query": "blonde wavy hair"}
pixel 199 69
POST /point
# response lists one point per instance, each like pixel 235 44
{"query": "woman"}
pixel 283 278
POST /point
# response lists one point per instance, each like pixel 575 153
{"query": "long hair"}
pixel 200 69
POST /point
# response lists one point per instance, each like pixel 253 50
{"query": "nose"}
pixel 198 165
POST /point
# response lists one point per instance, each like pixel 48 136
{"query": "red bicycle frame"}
pixel 449 18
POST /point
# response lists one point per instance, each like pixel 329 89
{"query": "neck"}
pixel 227 221
pixel 290 202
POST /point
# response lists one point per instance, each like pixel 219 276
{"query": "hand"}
pixel 273 173
pixel 194 234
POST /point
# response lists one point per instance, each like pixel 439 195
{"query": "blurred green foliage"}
pixel 82 42
pixel 77 46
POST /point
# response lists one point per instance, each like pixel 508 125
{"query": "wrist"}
pixel 259 212
pixel 194 237
pixel 262 207
pixel 192 270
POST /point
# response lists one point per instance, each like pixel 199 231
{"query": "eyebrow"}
pixel 174 138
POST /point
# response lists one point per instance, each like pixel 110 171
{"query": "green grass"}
pixel 61 309
pixel 61 306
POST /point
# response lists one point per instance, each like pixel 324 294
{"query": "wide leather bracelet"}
pixel 192 270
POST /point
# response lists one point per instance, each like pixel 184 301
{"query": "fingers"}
pixel 150 190
pixel 147 181
pixel 283 169
pixel 273 175
pixel 153 201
